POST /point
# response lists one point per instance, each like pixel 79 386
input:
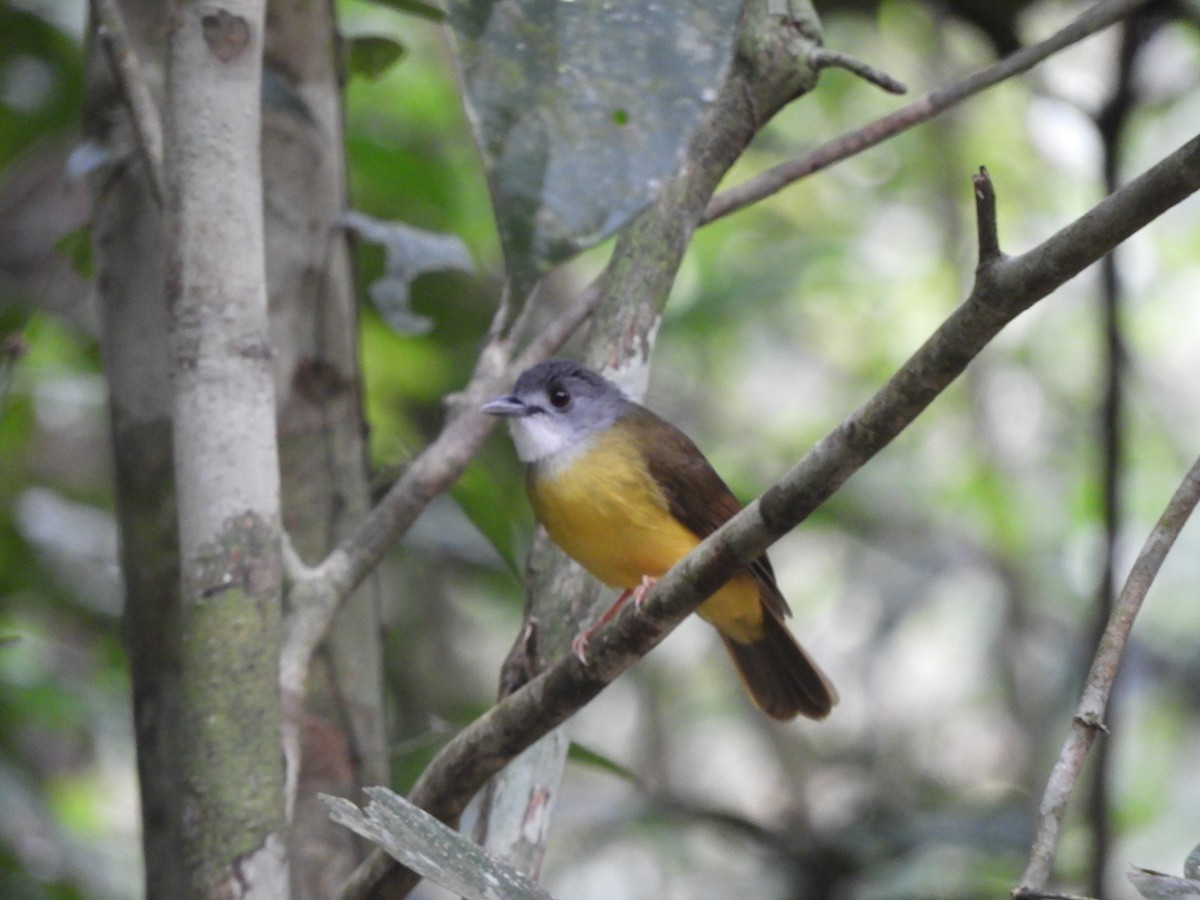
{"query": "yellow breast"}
pixel 603 508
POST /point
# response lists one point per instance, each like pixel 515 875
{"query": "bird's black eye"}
pixel 560 397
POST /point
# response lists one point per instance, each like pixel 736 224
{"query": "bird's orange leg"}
pixel 579 644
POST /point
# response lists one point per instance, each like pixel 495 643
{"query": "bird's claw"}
pixel 579 645
pixel 640 592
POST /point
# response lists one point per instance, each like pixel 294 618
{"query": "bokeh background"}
pixel 949 589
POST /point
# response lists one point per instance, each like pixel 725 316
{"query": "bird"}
pixel 627 495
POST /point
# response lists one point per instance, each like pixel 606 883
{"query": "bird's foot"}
pixel 640 592
pixel 580 643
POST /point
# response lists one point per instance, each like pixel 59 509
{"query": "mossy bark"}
pixel 229 731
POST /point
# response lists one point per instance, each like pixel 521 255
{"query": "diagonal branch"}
pixel 1089 715
pixel 920 110
pixel 1004 288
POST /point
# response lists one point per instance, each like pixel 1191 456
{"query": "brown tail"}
pixel 781 678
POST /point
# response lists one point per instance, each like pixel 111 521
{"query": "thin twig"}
pixel 985 218
pixel 147 125
pixel 921 110
pixel 824 58
pixel 1089 716
pixel 1002 291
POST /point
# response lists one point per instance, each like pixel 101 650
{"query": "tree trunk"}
pixel 321 426
pixel 312 362
pixel 129 252
pixel 226 456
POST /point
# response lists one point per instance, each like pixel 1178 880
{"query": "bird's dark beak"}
pixel 506 406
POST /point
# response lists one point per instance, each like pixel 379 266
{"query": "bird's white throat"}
pixel 539 437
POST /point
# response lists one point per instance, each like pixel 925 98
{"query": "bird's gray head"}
pixel 556 406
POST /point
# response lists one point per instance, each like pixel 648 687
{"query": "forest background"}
pixel 954 589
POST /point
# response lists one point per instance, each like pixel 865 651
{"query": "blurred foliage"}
pixel 42 77
pixel 947 588
pixel 371 55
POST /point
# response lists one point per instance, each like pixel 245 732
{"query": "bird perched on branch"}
pixel 627 495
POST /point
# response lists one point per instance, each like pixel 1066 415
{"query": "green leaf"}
pixel 370 55
pixel 489 508
pixel 415 8
pixel 582 110
pixel 580 754
pixel 76 246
